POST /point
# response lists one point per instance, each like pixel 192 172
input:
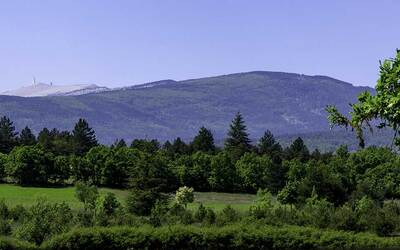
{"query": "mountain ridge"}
pixel 285 103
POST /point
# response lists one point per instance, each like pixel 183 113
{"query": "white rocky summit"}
pixel 44 89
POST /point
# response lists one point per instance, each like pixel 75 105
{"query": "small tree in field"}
pixel 184 195
pixel 86 194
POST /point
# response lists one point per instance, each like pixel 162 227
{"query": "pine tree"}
pixel 84 137
pixel 268 144
pixel 203 141
pixel 26 137
pixel 238 141
pixel 8 135
pixel 45 139
pixel 298 150
pixel 179 147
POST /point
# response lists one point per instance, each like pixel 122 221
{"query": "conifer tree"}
pixel 179 147
pixel 268 144
pixel 203 141
pixel 26 137
pixel 84 137
pixel 238 141
pixel 298 150
pixel 8 136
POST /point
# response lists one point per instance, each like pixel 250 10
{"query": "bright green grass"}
pixel 14 195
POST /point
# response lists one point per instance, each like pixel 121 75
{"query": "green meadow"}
pixel 14 195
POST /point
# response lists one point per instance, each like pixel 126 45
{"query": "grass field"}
pixel 14 195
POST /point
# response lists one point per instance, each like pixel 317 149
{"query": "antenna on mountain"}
pixel 34 81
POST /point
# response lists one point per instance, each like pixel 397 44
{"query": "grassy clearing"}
pixel 219 201
pixel 14 195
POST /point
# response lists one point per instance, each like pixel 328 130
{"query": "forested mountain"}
pixel 285 103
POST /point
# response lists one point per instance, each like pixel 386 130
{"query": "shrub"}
pixel 141 202
pixel 4 211
pixel 235 236
pixel 18 213
pixel 5 227
pixel 227 215
pixel 184 195
pixel 200 213
pixel 210 216
pixel 45 220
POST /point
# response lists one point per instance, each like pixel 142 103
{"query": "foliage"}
pixel 8 135
pixel 235 236
pixel 44 220
pixel 384 105
pixel 237 142
pixel 203 141
pixel 84 137
pixel 87 194
pixel 141 202
pixel 184 195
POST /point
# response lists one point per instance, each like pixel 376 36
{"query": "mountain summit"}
pixel 43 89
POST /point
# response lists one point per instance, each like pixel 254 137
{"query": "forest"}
pixel 304 200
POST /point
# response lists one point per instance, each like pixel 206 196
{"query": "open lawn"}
pixel 14 195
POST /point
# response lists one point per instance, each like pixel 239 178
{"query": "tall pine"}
pixel 84 137
pixel 26 137
pixel 238 141
pixel 268 145
pixel 8 136
pixel 203 141
pixel 298 150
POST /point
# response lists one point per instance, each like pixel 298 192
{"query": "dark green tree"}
pixel 238 141
pixel 84 137
pixel 146 146
pixel 29 165
pixel 268 145
pixel 203 141
pixel 8 136
pixel 298 150
pixel 179 147
pixel 223 173
pixel 26 137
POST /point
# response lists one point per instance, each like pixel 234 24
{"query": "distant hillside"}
pixel 43 89
pixel 285 103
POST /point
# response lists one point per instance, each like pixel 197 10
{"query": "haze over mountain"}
pixel 43 89
pixel 285 103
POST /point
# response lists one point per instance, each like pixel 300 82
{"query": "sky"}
pixel 119 43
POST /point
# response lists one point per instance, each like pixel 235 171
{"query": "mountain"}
pixel 43 89
pixel 285 103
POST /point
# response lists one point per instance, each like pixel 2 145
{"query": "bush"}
pixel 4 211
pixel 18 213
pixel 141 202
pixel 200 213
pixel 5 227
pixel 228 215
pixel 210 216
pixel 235 236
pixel 45 220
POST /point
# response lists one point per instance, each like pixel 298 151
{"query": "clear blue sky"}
pixel 117 43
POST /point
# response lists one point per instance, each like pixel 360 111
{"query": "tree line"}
pixel 64 157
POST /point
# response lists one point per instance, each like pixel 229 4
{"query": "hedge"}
pixel 230 237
